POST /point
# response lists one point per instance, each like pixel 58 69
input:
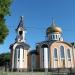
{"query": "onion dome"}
pixel 53 29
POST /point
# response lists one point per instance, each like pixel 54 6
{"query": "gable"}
pixel 57 45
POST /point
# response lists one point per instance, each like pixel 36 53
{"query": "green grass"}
pixel 25 73
pixel 31 73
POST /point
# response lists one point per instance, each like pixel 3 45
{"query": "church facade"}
pixel 54 52
pixel 19 50
pixel 51 53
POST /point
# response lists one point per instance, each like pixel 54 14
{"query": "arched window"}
pixel 23 54
pixel 68 53
pixel 62 52
pixel 56 36
pixel 53 36
pixel 18 53
pixel 55 53
pixel 18 48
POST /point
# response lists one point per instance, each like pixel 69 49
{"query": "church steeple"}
pixel 21 31
pixel 19 50
pixel 21 24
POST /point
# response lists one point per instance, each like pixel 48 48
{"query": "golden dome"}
pixel 53 29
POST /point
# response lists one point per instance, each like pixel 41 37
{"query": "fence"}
pixel 4 71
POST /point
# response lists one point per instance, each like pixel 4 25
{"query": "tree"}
pixel 4 11
pixel 4 58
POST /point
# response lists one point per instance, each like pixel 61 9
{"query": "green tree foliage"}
pixel 4 11
pixel 4 58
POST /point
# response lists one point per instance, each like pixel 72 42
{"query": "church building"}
pixel 19 49
pixel 51 53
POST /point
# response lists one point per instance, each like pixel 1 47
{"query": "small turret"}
pixel 21 31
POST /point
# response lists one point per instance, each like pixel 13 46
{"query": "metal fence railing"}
pixel 59 71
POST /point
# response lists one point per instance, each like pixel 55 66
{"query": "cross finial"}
pixel 53 23
pixel 21 18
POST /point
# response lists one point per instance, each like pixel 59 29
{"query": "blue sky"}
pixel 37 17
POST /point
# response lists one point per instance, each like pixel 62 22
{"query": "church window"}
pixel 55 53
pixel 68 53
pixel 62 52
pixel 56 36
pixel 20 32
pixel 18 53
pixel 15 56
pixel 53 37
pixel 43 56
pixel 23 54
pixel 48 55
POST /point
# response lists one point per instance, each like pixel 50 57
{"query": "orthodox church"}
pixel 19 50
pixel 51 53
pixel 54 52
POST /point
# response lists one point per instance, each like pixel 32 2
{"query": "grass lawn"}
pixel 25 73
pixel 31 73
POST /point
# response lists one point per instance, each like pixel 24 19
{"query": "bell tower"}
pixel 19 49
pixel 20 31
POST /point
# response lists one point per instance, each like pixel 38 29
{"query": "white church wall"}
pixel 65 54
pixel 45 57
pixel 72 58
pixel 25 59
pixel 21 58
pixel 55 64
pixel 73 49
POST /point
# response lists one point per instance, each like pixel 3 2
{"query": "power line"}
pixel 44 28
pixel 34 27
